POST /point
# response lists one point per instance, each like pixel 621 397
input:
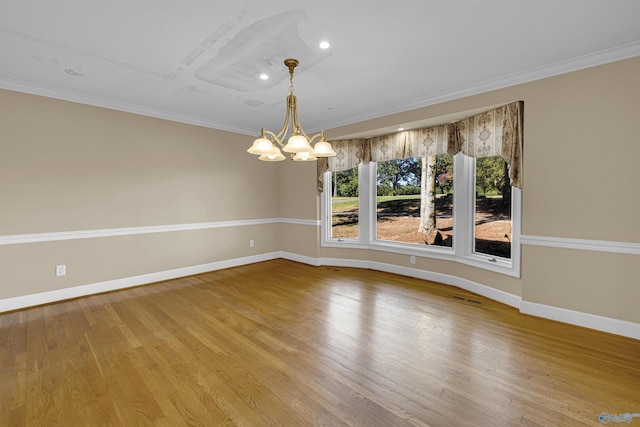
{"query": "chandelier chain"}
pixel 291 82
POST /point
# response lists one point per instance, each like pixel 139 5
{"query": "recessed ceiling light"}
pixel 400 129
pixel 264 76
pixel 324 45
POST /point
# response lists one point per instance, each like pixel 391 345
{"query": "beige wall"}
pixel 600 283
pixel 581 132
pixel 296 200
pixel 66 167
pixel 581 181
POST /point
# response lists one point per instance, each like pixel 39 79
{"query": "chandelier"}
pixel 268 144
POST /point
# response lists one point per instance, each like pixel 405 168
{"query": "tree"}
pixel 345 183
pixel 395 173
pixel 506 188
pixel 444 173
pixel 428 196
pixel 490 175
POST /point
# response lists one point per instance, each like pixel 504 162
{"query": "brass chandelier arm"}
pixel 285 127
pixel 268 144
pixel 296 127
pixel 295 123
pixel 316 136
pixel 266 132
pixel 291 102
pixel 291 118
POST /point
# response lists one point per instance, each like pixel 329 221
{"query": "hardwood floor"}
pixel 285 344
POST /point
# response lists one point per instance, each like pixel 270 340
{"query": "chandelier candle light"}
pixel 268 144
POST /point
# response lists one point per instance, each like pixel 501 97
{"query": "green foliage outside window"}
pixel 490 176
pixel 345 183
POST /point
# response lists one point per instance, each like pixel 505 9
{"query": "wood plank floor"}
pixel 285 344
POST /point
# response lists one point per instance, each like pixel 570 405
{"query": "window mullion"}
pixel 462 205
pixel 366 222
pixel 325 209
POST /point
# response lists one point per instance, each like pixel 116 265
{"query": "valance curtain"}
pixel 423 142
pixel 349 153
pixel 497 132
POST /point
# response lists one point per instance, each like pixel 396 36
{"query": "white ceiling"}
pixel 198 61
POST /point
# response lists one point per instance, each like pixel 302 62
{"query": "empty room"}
pixel 320 213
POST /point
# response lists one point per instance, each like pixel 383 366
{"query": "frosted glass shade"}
pixel 304 157
pixel 272 157
pixel 261 146
pixel 297 144
pixel 323 149
pixel 275 155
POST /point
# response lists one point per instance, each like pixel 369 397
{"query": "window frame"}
pixel 463 222
pixel 326 239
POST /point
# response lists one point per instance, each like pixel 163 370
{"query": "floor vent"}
pixel 466 300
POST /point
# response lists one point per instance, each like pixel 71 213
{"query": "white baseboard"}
pixel 591 321
pixel 17 303
pixel 486 291
pixel 600 323
pixel 469 285
pixel 578 318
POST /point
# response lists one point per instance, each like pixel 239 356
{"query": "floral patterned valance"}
pixel 423 142
pixel 350 153
pixel 497 132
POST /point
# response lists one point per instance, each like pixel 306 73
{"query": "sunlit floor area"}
pixel 281 343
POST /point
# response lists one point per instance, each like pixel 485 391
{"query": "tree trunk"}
pixel 506 190
pixel 428 196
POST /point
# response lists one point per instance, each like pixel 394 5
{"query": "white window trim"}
pixel 463 220
pixel 325 211
pixel 464 205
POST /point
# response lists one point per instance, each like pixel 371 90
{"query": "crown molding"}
pixel 96 101
pixel 617 53
pixel 602 57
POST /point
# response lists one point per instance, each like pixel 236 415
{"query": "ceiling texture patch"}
pixel 199 62
pixel 259 48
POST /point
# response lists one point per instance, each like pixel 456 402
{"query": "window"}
pixel 413 198
pixel 468 195
pixel 492 207
pixel 344 204
pixel 408 211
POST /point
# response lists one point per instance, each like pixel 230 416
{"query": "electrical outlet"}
pixel 61 270
pixel 251 243
pixel 412 259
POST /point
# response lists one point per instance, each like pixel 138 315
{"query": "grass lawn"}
pixel 392 203
pixel 344 204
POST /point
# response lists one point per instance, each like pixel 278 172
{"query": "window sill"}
pixel 493 264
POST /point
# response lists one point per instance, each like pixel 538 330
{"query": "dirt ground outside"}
pixel 493 226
